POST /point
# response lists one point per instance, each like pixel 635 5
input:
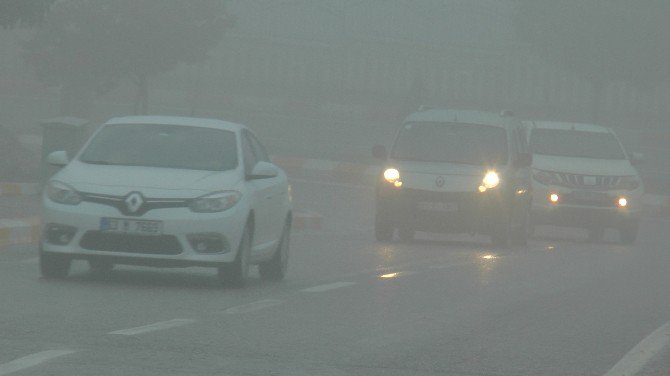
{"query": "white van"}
pixel 455 171
pixel 583 177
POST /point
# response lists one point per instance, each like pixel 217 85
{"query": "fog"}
pixel 383 120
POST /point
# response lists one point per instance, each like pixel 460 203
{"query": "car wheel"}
pixel 275 269
pixel 383 228
pixel 54 265
pixel 236 273
pixel 596 234
pixel 628 233
pixel 100 266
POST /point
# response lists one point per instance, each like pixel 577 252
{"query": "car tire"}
pixel 54 265
pixel 596 234
pixel 100 266
pixel 236 273
pixel 275 269
pixel 383 228
pixel 628 232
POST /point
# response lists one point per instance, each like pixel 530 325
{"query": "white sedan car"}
pixel 168 191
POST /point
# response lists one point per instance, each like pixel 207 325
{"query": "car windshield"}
pixel 572 143
pixel 451 142
pixel 168 146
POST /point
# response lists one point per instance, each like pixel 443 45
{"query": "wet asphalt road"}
pixel 442 305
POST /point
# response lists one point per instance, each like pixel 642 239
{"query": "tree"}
pixel 602 41
pixel 15 13
pixel 87 46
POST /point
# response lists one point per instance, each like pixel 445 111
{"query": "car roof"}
pixel 463 117
pixel 559 125
pixel 177 120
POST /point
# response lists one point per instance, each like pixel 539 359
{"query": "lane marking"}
pixel 153 327
pixel 328 287
pixel 633 362
pixel 31 361
pixel 255 306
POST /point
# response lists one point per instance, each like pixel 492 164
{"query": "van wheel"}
pixel 383 228
pixel 406 234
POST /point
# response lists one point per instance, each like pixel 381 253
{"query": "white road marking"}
pixel 328 287
pixel 153 327
pixel 640 355
pixel 255 306
pixel 31 360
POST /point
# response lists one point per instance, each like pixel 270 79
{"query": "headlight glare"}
pixel 62 193
pixel 215 202
pixel 491 180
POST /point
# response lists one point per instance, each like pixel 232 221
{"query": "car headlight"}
pixel 628 183
pixel 62 193
pixel 545 177
pixel 215 202
pixel 392 176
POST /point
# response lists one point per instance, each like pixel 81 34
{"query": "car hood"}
pixel 440 177
pixel 151 181
pixel 584 166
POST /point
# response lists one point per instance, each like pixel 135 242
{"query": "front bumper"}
pixel 172 247
pixel 430 211
pixel 585 208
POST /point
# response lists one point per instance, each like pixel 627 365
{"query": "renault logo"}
pixel 439 182
pixel 134 202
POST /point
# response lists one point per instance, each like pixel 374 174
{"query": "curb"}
pixel 18 189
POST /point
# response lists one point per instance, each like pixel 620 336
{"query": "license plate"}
pixel 131 226
pixel 438 206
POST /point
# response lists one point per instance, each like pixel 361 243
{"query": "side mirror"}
pixel 263 170
pixel 58 158
pixel 636 158
pixel 524 160
pixel 379 152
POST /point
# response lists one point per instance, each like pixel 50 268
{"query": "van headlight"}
pixel 392 176
pixel 491 180
pixel 215 202
pixel 62 193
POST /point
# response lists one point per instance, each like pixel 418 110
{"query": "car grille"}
pixel 588 181
pixel 148 204
pixel 131 243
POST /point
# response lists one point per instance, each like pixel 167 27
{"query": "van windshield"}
pixel 573 143
pixel 470 144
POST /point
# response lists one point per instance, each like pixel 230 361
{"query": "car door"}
pixel 267 196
